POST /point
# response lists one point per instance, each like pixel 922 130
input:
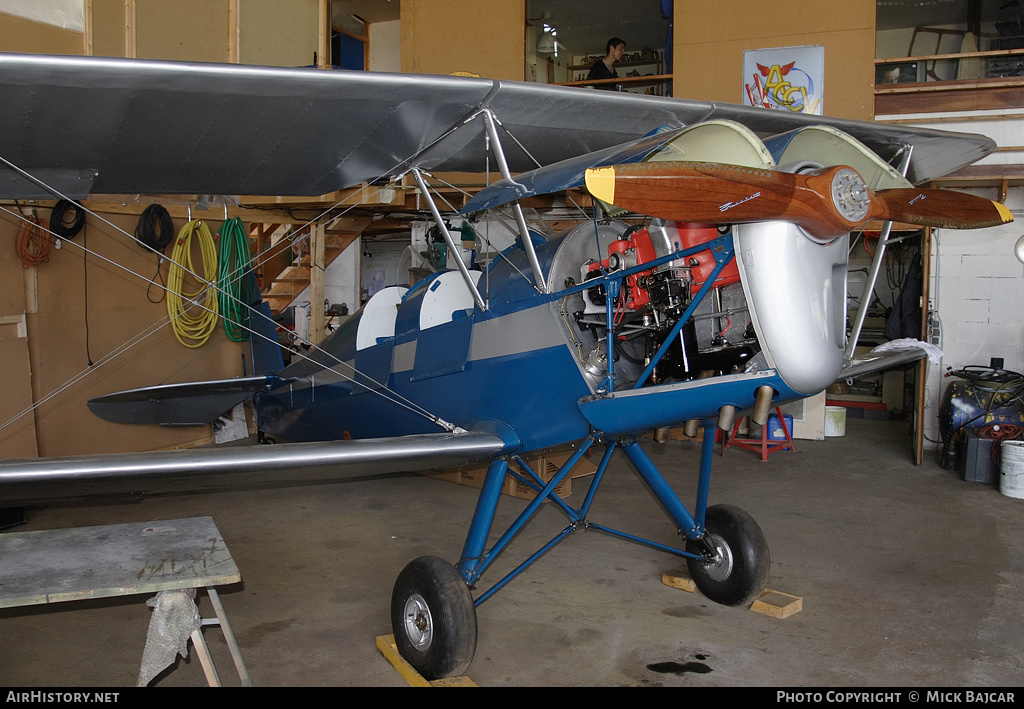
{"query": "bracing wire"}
pixel 382 391
pixel 379 388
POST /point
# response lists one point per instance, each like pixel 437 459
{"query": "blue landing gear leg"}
pixel 727 553
pixel 433 615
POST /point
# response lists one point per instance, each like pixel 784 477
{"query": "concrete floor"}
pixel 910 577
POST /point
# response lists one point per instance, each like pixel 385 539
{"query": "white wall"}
pixel 341 279
pixel 385 46
pixel 977 288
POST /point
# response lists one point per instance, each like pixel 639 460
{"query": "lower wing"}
pixel 203 469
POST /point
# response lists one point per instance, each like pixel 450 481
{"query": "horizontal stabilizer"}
pixel 44 479
pixel 186 404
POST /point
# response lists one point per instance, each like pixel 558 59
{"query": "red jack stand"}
pixel 763 444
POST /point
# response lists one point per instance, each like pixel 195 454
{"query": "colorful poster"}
pixel 785 78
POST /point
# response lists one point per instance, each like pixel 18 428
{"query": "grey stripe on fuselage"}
pixel 512 334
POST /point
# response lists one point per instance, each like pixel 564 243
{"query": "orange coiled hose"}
pixel 34 242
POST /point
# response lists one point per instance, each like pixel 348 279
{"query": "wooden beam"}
pixel 317 321
pixel 129 29
pixel 234 53
pixel 87 34
pixel 959 55
pixel 109 204
pixel 974 96
pixel 348 225
pixel 365 194
pixel 323 56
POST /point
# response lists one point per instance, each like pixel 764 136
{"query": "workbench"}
pixel 61 565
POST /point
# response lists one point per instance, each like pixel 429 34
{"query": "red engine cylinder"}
pixel 691 235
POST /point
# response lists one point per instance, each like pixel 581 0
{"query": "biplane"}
pixel 707 282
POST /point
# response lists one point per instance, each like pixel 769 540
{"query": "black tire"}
pixel 739 572
pixel 433 618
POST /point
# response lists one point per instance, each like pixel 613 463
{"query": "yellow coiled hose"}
pixel 193 314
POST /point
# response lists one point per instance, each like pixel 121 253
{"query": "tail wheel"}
pixel 738 572
pixel 433 618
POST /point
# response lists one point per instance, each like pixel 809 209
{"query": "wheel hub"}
pixel 719 567
pixel 419 626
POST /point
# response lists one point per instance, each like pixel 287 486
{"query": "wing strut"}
pixel 524 232
pixel 455 251
pixel 876 266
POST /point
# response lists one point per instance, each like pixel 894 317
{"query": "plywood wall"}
pixel 17 435
pixel 19 35
pixel 447 36
pixel 186 30
pixel 79 310
pixel 109 28
pixel 275 33
pixel 265 32
pixel 710 39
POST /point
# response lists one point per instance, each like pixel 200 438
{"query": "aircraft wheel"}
pixel 739 570
pixel 433 618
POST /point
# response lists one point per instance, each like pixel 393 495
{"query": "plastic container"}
pixel 1011 469
pixel 835 421
pixel 775 432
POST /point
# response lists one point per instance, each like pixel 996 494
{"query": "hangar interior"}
pixel 850 519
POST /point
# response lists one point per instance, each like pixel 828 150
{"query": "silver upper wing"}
pixel 99 125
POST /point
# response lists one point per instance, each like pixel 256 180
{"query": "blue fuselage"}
pixel 512 369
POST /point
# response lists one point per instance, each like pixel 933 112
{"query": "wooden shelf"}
pixel 625 81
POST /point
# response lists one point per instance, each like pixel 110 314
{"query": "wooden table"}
pixel 59 565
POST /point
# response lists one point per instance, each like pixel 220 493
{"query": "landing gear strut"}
pixel 434 616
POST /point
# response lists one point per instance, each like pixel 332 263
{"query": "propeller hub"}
pixel 850 195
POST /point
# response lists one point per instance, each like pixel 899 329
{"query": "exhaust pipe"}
pixel 726 415
pixel 762 404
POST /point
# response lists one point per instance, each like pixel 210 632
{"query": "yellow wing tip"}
pixel 601 183
pixel 1004 213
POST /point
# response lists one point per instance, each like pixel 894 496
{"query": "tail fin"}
pixel 266 353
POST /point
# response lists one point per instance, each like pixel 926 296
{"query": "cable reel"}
pixel 154 231
pixel 60 225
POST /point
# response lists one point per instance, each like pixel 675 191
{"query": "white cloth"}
pixel 174 618
pixel 907 343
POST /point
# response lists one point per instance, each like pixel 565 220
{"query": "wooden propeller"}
pixel 826 202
